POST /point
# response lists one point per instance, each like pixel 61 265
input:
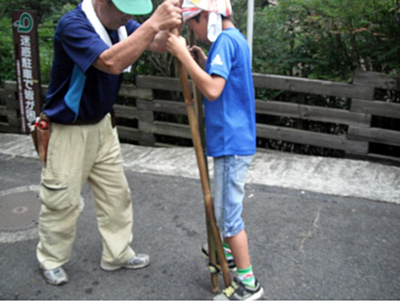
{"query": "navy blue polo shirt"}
pixel 77 90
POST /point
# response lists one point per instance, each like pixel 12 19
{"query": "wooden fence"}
pixel 152 113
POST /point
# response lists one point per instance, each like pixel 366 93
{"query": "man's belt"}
pixel 90 122
pixel 41 130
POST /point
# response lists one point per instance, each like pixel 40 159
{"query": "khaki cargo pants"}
pixel 76 154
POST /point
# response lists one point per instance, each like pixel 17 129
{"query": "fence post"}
pixel 359 81
pixel 369 105
pixel 145 120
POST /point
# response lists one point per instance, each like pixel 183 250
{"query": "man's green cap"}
pixel 134 7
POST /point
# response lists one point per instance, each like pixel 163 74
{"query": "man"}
pixel 93 45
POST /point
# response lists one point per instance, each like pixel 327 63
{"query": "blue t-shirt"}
pixel 77 90
pixel 230 119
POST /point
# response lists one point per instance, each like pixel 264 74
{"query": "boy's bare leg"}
pixel 240 249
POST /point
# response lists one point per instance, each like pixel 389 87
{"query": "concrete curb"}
pixel 341 177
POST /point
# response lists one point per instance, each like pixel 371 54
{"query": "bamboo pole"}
pixel 213 232
pixel 198 104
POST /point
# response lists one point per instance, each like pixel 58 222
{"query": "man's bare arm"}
pixel 123 54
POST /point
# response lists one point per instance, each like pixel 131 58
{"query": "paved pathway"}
pixel 318 229
pixel 341 177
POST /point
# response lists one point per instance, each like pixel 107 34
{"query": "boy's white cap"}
pixel 216 8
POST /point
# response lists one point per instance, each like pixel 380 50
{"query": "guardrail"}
pixel 153 113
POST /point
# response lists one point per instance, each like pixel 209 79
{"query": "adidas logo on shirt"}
pixel 217 61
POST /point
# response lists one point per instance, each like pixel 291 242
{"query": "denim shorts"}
pixel 228 192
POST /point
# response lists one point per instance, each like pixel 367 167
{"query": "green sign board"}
pixel 27 66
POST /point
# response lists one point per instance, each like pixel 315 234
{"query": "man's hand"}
pixel 167 15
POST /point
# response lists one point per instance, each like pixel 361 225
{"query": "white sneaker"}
pixel 55 276
pixel 136 262
pixel 239 291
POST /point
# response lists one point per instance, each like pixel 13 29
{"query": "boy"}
pixel 227 85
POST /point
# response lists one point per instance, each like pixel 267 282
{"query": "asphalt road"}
pixel 304 245
pixel 319 228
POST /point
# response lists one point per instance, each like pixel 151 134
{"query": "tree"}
pixel 327 39
pixel 49 13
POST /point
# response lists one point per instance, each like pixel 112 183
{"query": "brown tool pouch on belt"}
pixel 41 135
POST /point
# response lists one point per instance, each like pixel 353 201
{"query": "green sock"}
pixel 227 251
pixel 247 276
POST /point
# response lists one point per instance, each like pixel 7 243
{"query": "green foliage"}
pixel 327 39
pixel 46 33
pixel 48 15
pixel 47 9
pixel 7 65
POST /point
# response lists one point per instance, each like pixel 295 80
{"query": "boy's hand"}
pixel 176 45
pixel 198 53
